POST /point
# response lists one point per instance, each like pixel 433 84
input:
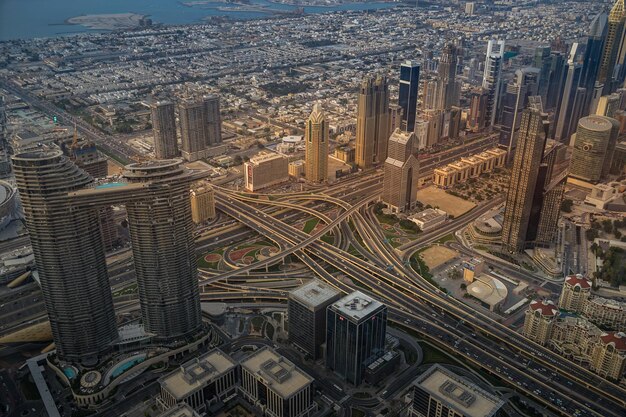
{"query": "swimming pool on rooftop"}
pixel 111 185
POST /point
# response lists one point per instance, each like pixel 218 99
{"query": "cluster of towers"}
pixel 61 205
pixel 200 127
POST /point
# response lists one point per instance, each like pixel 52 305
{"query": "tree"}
pixel 607 226
pixel 566 205
pixel 591 234
pixel 238 160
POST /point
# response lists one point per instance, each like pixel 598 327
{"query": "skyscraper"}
pixel 524 174
pixel 594 143
pixel 161 232
pixel 193 128
pixel 514 101
pixel 492 78
pixel 69 253
pixel 307 315
pixel 316 146
pixel 164 130
pixel 612 53
pixel 567 110
pixel 401 170
pixel 407 98
pixel 200 126
pixel 372 126
pixel 448 90
pixel 476 118
pixel 395 117
pixel 543 62
pixel 355 335
pixel 592 58
pixel 3 122
pixel 213 119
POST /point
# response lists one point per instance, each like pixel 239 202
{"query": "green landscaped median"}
pixel 310 225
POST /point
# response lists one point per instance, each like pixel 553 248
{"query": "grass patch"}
pixel 257 323
pixel 29 389
pixel 355 412
pixel 409 354
pixel 328 239
pixel 447 238
pixel 269 331
pixel 310 225
pixel 434 355
pixel 131 289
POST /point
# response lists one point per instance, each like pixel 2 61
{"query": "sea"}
pixel 28 19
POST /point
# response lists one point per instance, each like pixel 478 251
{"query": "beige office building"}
pixel 316 146
pixel 276 385
pixel 265 170
pixel 401 171
pixel 575 293
pixel 297 169
pixel 539 320
pixel 202 203
pixel 372 122
pixel 201 382
pixel 438 392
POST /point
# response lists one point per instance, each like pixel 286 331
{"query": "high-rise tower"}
pixel 372 126
pixel 612 52
pixel 492 78
pixel 161 232
pixel 594 143
pixel 164 130
pixel 401 170
pixel 68 248
pixel 568 110
pixel 316 146
pixel 533 134
pixel 200 126
pixel 448 90
pixel 213 119
pixel 513 103
pixel 407 98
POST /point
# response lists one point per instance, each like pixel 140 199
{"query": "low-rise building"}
pixel 180 410
pixel 201 382
pixel 439 392
pixel 575 292
pixel 429 218
pixel 276 385
pixel 265 170
pixel 345 154
pixel 296 169
pixel 539 320
pixel 469 167
pixel 573 337
pixel 202 204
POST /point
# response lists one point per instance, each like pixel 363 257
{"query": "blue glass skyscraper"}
pixel 409 85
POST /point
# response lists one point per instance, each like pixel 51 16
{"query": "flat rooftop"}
pixel 314 294
pixel 179 410
pixel 457 393
pixel 196 373
pixel 357 305
pixel 279 374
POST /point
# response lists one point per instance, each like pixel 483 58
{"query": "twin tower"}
pixel 61 204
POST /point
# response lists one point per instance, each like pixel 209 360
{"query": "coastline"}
pixel 110 21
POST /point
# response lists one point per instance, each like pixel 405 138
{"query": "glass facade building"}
pixel 355 335
pixel 407 99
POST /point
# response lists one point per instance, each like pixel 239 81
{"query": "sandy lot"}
pixel 438 255
pixel 452 205
pixel 113 167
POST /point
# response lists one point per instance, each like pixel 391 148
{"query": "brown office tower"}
pixel 161 231
pixel 200 126
pixel 69 253
pixel 525 174
pixel 164 130
pixel 476 119
pixel 316 146
pixel 372 125
pixel 594 145
pixel 448 91
pixel 401 169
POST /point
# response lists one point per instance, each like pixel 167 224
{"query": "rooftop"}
pixel 180 410
pixel 546 307
pixel 357 305
pixel 428 214
pixel 488 289
pixel 579 280
pixel 196 373
pixel 618 339
pixel 279 374
pixel 314 294
pixel 457 393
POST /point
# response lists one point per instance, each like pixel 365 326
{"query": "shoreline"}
pixel 107 21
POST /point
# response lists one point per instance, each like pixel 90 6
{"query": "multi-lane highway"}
pixel 494 348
